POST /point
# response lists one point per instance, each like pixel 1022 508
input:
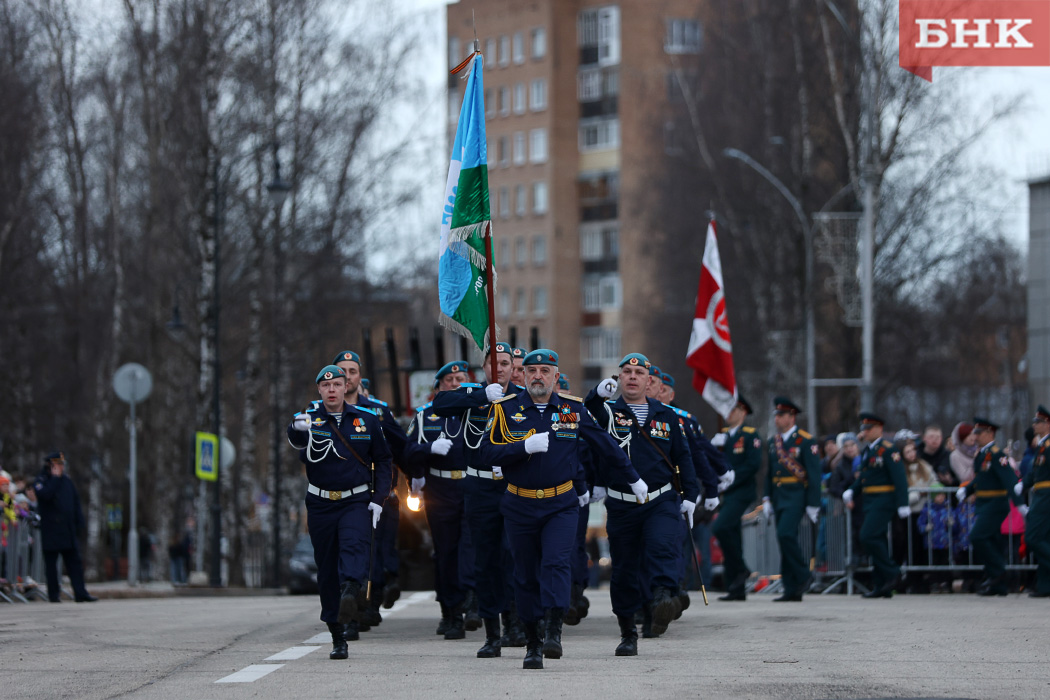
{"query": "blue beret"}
pixel 563 382
pixel 636 359
pixel 347 356
pixel 667 379
pixel 654 371
pixel 543 356
pixel 454 366
pixel 502 347
pixel 519 352
pixel 330 372
pixel 367 384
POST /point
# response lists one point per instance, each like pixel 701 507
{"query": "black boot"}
pixel 663 609
pixel 471 619
pixel 583 605
pixel 647 623
pixel 492 646
pixel 455 626
pixel 552 636
pixel 628 636
pixel 348 600
pixel 370 614
pixel 533 646
pixel 515 631
pixel 392 589
pixel 339 650
pixel 351 632
pixel 683 599
pixel 446 620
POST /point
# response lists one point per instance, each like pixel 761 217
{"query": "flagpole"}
pixel 491 270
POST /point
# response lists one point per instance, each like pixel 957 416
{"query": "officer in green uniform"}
pixel 742 446
pixel 792 488
pixel 993 482
pixel 884 485
pixel 1037 522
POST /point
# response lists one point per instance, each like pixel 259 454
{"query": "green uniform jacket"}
pixel 800 446
pixel 993 475
pixel 882 473
pixel 1040 472
pixel 743 452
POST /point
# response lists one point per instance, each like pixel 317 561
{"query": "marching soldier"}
pixel 994 483
pixel 579 604
pixel 517 355
pixel 884 485
pixel 1037 522
pixel 348 469
pixel 535 438
pixel 792 488
pixel 644 523
pixel 742 446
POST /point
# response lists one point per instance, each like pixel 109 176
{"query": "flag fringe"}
pixel 458 328
pixel 465 233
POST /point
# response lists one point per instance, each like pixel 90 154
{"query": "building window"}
pixel 504 303
pixel 600 345
pixel 453 107
pixel 520 302
pixel 602 293
pixel 539 250
pixel 519 98
pixel 519 148
pixel 538 146
pixel 683 36
pixel 504 101
pixel 521 252
pixel 599 242
pixel 504 51
pixel 599 134
pixel 502 151
pixel 539 42
pixel 519 48
pixel 539 198
pixel 504 203
pixel 490 52
pixel 520 205
pixel 504 252
pixel 589 85
pixel 539 301
pixel 490 106
pixel 453 52
pixel 599 29
pixel 538 98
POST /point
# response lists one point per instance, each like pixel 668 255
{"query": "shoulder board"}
pixel 365 409
pixel 680 411
pixel 570 397
pixel 995 449
pixel 425 406
pixel 378 401
pixel 887 443
pixel 508 397
pixel 310 409
pixel 804 434
pixel 749 429
pixel 469 385
pixel 724 430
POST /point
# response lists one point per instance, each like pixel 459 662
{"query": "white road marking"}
pixel 417 597
pixel 250 673
pixel 291 653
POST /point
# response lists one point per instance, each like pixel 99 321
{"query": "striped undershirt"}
pixel 641 411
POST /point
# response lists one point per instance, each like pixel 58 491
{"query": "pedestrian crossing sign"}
pixel 207 456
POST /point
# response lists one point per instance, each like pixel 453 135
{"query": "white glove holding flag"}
pixel 903 512
pixel 441 446
pixel 584 499
pixel 607 388
pixel 536 443
pixel 497 472
pixel 767 508
pixel 726 480
pixel 301 422
pixel 640 490
pixel 719 440
pixel 1018 488
pixel 847 496
pixel 1023 510
pixel 961 493
pixel 710 503
pixel 599 494
pixel 376 510
pixel 493 392
pixel 688 507
pixel 417 486
pixel 813 512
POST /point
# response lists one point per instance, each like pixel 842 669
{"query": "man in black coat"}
pixel 61 521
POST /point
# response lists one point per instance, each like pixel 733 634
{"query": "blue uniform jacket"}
pixel 396 439
pixel 708 464
pixel 330 465
pixel 666 432
pixel 470 404
pixel 61 518
pixel 567 422
pixel 428 426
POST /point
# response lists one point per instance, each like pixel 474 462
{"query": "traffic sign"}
pixel 132 382
pixel 207 456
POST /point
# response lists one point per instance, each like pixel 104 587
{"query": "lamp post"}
pixel 278 191
pixel 215 574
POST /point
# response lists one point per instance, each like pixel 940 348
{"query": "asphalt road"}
pixel 826 647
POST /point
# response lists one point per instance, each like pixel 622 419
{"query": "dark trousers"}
pixel 341 533
pixel 579 553
pixel 880 511
pixel 73 567
pixel 793 569
pixel 643 538
pixel 482 498
pixel 986 535
pixel 1037 535
pixel 542 533
pixel 443 502
pixel 727 530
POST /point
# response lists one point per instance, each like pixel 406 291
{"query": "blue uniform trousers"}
pixel 542 532
pixel 579 552
pixel 466 551
pixel 986 535
pixel 387 560
pixel 73 567
pixel 482 497
pixel 340 532
pixel 443 503
pixel 879 511
pixel 643 538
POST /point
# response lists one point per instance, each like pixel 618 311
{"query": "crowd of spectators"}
pixel 18 509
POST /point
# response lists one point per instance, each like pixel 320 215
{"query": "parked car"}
pixel 302 570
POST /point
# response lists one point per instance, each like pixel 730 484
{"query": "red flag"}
pixel 710 351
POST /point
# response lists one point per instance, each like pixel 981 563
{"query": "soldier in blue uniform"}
pixel 994 483
pixel 535 438
pixel 884 486
pixel 579 604
pixel 441 470
pixel 644 523
pixel 742 447
pixel 1037 521
pixel 792 488
pixel 348 469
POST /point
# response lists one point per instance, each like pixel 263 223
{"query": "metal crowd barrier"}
pixel 22 564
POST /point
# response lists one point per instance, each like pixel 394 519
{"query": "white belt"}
pixel 457 474
pixel 336 495
pixel 483 473
pixel 630 497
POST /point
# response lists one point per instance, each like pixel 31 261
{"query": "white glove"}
pixel 726 480
pixel 301 422
pixel 417 485
pixel 640 490
pixel 847 496
pixel 1018 488
pixel 536 443
pixel 607 388
pixel 913 497
pixel 598 494
pixel 377 510
pixel 813 512
pixel 710 503
pixel 1023 509
pixel 441 446
pixel 961 493
pixel 767 508
pixel 688 507
pixel 497 471
pixel 584 499
pixel 903 512
pixel 493 392
pixel 719 440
